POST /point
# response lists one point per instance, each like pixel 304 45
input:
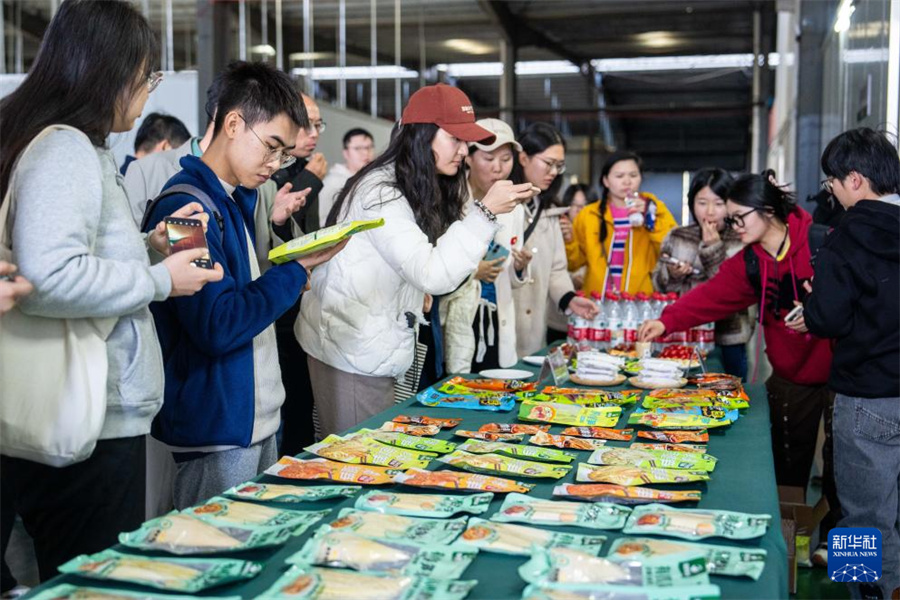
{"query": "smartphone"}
pixel 187 234
pixel 794 314
pixel 674 261
pixel 496 251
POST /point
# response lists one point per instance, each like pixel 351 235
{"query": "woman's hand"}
pixel 13 288
pixel 637 204
pixel 799 324
pixel 710 232
pixel 521 259
pixel 188 278
pixel 584 308
pixel 679 271
pixel 158 238
pixel 504 196
pixel 650 330
pixel 287 203
pixel 488 270
pixel 566 226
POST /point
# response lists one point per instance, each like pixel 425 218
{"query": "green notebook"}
pixel 320 240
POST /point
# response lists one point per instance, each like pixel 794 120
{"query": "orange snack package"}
pixel 465 482
pixel 493 385
pixel 422 420
pixel 542 438
pixel 490 436
pixel 320 468
pixel 600 433
pixel 513 428
pixel 417 430
pixel 607 492
pixel 676 437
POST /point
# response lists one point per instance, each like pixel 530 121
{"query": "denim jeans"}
pixel 734 360
pixel 867 471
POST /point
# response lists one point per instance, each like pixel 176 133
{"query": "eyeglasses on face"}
pixel 828 185
pixel 738 220
pixel 317 126
pixel 552 165
pixel 284 159
pixel 153 81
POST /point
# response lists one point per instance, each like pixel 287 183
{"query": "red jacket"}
pixel 797 357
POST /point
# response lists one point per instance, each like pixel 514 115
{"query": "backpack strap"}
pixel 193 191
pixel 751 265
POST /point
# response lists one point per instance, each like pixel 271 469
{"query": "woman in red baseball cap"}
pixel 358 323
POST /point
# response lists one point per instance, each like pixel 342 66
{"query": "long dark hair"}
pixel 569 195
pixel 436 200
pixel 718 180
pixel 611 160
pixel 536 138
pixel 759 192
pixel 84 72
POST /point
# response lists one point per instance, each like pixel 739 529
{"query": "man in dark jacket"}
pixel 856 303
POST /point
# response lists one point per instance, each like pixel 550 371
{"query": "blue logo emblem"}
pixel 854 554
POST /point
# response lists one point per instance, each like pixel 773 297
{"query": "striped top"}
pixel 622 228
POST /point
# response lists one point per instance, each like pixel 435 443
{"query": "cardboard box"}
pixel 792 501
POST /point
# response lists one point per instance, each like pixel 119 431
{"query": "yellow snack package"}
pixel 463 482
pixel 513 428
pixel 494 463
pixel 570 414
pixel 418 430
pixel 565 441
pixel 319 468
pixel 626 475
pixel 359 449
pixel 600 433
pixel 675 421
pixel 700 448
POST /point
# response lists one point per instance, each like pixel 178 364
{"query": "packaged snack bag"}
pixel 319 468
pixel 665 421
pixel 519 540
pixel 517 451
pixel 695 523
pixel 418 430
pixel 410 442
pixel 513 428
pixel 716 381
pixel 423 505
pixel 712 412
pixel 222 511
pixel 496 464
pixel 662 459
pixel 732 561
pixel 568 566
pixel 600 433
pixel 596 515
pixel 568 414
pixel 357 449
pixel 465 482
pixel 314 583
pixel 619 494
pixel 565 441
pixel 636 475
pixel 595 591
pixel 66 591
pixel 617 397
pixel 395 527
pixel 422 420
pixel 343 550
pixel 494 385
pixel 490 436
pixel 697 448
pixel 265 492
pixel 678 393
pixel 433 398
pixel 675 437
pixel 187 575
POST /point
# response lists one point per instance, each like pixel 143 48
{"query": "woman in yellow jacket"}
pixel 621 248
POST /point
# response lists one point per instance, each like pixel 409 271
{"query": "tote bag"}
pixel 52 372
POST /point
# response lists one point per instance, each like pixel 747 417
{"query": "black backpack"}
pixel 198 194
pixel 816 236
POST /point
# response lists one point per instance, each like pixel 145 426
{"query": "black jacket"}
pixel 856 300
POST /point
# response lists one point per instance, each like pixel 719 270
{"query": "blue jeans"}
pixel 734 360
pixel 867 471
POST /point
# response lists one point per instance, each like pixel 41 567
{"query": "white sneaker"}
pixel 16 592
pixel 820 556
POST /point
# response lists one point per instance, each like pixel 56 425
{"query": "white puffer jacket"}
pixel 355 316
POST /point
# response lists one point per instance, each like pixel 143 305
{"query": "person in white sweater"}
pixel 358 323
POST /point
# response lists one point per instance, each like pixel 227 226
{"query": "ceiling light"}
pixel 657 39
pixel 264 49
pixel 468 46
pixel 298 56
pixel 842 21
pixel 337 73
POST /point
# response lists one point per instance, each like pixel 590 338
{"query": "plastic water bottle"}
pixel 657 304
pixel 706 338
pixel 614 315
pixel 634 219
pixel 579 327
pixel 600 325
pixel 678 338
pixel 630 319
pixel 650 216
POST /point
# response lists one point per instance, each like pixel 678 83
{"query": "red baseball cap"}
pixel 448 108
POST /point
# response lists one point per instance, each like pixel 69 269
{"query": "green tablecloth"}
pixel 744 480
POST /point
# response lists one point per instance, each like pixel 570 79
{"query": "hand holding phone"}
pixel 187 234
pixel 795 314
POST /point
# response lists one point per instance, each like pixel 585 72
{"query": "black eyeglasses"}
pixel 733 221
pixel 828 185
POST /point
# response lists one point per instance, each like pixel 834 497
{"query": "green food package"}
pixel 696 523
pixel 519 540
pixel 629 475
pixel 314 583
pixel 66 591
pixel 494 464
pixel 569 414
pixel 410 442
pixel 222 511
pixel 653 459
pixel 345 550
pixel 701 448
pixel 439 506
pixel 396 527
pixel 594 591
pixel 185 534
pixel 517 451
pixel 675 421
pixel 177 574
pixel 569 566
pixel 732 561
pixel 274 492
pixel 594 515
pixel 360 450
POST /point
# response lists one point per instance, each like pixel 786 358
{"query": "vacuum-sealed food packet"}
pixel 716 381
pixel 464 482
pixel 493 385
pixel 712 412
pixel 568 566
pixel 517 451
pixel 433 398
pixel 627 475
pixel 319 468
pixel 439 506
pixel 696 448
pixel 222 511
pixel 597 515
pixel 519 540
pixel 565 441
pixel 678 393
pixel 344 550
pixel 66 591
pixel 513 428
pixel 732 561
pixel 668 421
pixel 396 527
pixel 675 437
pixel 445 423
pixel 273 492
pixel 314 583
pixel 490 436
pixel 602 591
pixel 662 459
pixel 569 414
pixel 187 575
pixel 358 449
pixel 417 430
pixel 620 494
pixel 409 441
pixel 696 523
pixel 600 433
pixel 580 395
pixel 496 464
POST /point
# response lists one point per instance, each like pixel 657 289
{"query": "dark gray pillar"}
pixel 213 48
pixel 508 56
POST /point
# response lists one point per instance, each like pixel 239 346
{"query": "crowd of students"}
pixel 212 373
